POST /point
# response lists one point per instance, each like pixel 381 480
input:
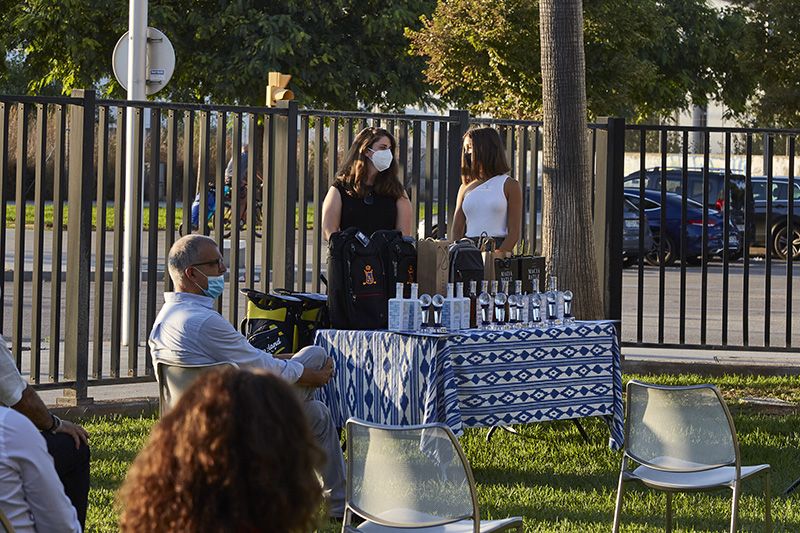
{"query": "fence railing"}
pixel 736 247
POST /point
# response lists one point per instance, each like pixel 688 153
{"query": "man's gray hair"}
pixel 186 252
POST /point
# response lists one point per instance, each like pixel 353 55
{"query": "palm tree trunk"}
pixel 567 234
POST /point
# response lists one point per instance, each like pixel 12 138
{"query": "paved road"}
pixel 777 319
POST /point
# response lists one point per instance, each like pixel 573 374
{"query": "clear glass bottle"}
pixel 500 306
pixel 534 294
pixel 485 304
pixel 522 304
pixel 451 310
pixel 398 319
pixel 558 299
pixel 493 292
pixel 425 302
pixel 464 307
pixel 415 309
pixel 569 318
pixel 536 310
pixel 438 303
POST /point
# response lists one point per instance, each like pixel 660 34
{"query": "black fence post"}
pixel 285 197
pixel 455 136
pixel 608 215
pixel 79 233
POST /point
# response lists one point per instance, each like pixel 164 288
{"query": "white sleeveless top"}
pixel 486 208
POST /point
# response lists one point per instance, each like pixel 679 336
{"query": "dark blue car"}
pixel 694 228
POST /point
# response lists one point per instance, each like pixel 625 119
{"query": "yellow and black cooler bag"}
pixel 283 321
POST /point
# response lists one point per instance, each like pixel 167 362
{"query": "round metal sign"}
pixel 159 62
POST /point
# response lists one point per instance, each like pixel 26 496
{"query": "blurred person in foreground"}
pixel 205 470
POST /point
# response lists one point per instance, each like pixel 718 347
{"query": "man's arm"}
pixel 44 492
pixel 32 406
pixel 224 343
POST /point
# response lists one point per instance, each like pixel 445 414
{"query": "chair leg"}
pixel 735 507
pixel 669 512
pixel 767 503
pixel 618 506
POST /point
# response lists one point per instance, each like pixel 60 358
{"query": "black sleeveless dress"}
pixel 367 214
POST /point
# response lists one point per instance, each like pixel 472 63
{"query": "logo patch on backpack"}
pixel 411 277
pixel 369 276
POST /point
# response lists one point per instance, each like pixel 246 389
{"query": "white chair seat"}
pixel 463 526
pixel 716 477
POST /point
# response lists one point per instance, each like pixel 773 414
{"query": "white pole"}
pixel 137 49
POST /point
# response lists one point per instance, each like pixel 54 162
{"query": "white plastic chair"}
pixel 410 479
pixel 174 378
pixel 684 440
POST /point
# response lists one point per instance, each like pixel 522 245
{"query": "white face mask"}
pixel 382 159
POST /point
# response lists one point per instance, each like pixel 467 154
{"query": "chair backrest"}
pixel 174 379
pixel 686 428
pixel 412 476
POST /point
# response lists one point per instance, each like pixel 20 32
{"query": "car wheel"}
pixel 652 256
pixel 779 243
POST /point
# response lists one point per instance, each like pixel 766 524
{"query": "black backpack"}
pixel 362 272
pixel 466 262
pixel 399 258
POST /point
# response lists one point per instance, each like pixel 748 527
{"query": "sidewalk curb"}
pixel 638 366
pixel 132 407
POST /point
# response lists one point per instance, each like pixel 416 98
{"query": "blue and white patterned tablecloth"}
pixel 476 378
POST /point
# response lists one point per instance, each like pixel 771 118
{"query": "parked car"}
pixel 772 233
pixel 694 190
pixel 671 234
pixel 630 234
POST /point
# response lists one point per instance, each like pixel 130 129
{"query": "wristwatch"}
pixel 55 425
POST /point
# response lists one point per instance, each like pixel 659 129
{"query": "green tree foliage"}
pixel 643 59
pixel 341 53
pixel 771 39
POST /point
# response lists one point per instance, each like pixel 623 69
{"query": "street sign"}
pixel 159 64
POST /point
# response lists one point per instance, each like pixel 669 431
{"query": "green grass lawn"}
pixel 550 476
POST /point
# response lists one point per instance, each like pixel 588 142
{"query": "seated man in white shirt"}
pixel 31 495
pixel 189 330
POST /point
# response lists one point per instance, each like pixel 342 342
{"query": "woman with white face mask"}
pixel 367 193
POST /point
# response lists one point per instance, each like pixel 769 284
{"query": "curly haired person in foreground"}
pixel 235 454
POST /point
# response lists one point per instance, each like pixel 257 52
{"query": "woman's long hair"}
pixel 488 156
pixel 352 175
pixel 235 454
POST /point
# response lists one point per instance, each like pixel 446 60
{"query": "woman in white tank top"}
pixel 489 201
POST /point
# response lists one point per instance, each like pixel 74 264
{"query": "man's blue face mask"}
pixel 216 286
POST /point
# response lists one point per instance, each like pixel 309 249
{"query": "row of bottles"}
pixel 493 308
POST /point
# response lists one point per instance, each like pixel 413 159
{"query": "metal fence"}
pixel 735 294
pixel 62 163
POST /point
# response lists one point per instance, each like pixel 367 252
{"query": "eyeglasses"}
pixel 219 262
pixel 369 199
